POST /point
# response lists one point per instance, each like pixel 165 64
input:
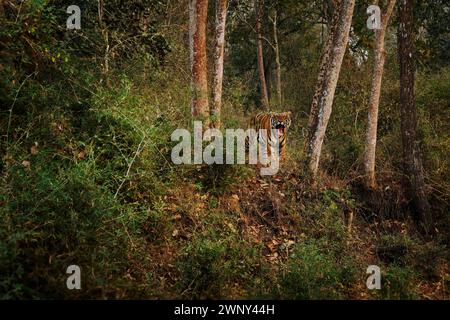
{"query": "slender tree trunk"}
pixel 412 163
pixel 260 58
pixel 372 122
pixel 219 46
pixel 321 78
pixel 198 11
pixel 277 57
pixel 105 35
pixel 268 61
pixel 326 84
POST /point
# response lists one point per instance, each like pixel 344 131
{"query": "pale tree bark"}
pixel 198 11
pixel 276 48
pixel 414 183
pixel 326 84
pixel 260 58
pixel 219 46
pixel 372 121
pixel 321 78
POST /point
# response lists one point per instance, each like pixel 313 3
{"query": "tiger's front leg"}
pixel 283 153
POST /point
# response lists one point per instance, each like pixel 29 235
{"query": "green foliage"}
pixel 395 248
pixel 71 201
pixel 433 46
pixel 433 96
pixel 399 283
pixel 134 29
pixel 315 272
pixel 55 217
pixel 211 268
pixel 87 179
pixel 401 250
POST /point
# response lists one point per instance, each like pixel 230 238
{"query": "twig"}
pixel 254 31
pixel 11 110
pixel 138 150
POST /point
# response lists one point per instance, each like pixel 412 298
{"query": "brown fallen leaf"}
pixel 8 159
pixel 34 150
pixel 81 155
pixel 26 164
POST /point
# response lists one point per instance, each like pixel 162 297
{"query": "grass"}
pixel 313 271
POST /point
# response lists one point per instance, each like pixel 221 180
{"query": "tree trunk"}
pixel 412 163
pixel 219 46
pixel 198 11
pixel 277 57
pixel 260 58
pixel 372 122
pixel 105 35
pixel 268 62
pixel 326 84
pixel 329 8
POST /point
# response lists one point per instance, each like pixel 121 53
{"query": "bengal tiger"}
pixel 274 123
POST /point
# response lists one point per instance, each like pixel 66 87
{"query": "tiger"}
pixel 274 123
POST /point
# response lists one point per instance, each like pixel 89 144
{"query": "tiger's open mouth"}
pixel 280 129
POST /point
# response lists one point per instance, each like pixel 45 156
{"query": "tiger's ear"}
pixel 288 120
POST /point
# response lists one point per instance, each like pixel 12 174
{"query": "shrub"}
pixel 215 268
pixel 313 272
pixel 56 217
pixel 399 283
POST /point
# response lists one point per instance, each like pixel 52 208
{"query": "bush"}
pixel 215 268
pixel 56 217
pixel 313 272
pixel 398 283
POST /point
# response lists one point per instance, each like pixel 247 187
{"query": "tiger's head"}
pixel 280 121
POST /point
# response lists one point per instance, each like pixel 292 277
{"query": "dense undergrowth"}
pixel 87 179
pixel 164 231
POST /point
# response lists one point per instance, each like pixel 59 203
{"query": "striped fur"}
pixel 274 123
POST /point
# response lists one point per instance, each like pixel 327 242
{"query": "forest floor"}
pixel 276 213
pixel 194 232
